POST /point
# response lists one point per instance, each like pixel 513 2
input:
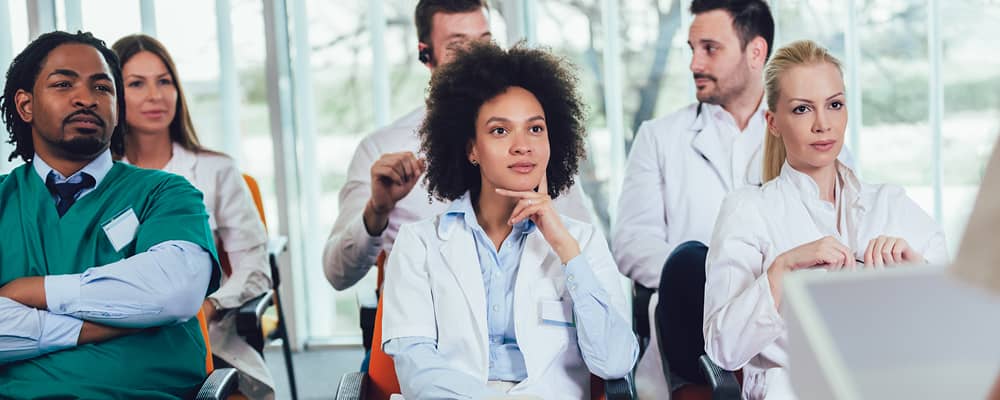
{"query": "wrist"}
pixel 375 221
pixel 566 250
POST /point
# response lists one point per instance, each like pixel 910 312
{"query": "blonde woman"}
pixel 812 213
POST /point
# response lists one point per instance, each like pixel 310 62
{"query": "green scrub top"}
pixel 166 362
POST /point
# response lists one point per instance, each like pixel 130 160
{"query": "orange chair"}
pixel 249 315
pixel 221 383
pixel 380 381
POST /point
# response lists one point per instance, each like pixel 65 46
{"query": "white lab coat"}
pixel 434 288
pixel 350 251
pixel 236 224
pixel 743 328
pixel 679 169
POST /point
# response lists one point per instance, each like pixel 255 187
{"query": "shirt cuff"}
pixel 580 279
pixel 58 332
pixel 62 292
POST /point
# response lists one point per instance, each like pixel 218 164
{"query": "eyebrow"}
pixel 68 72
pixel 811 102
pixel 502 119
pixel 143 77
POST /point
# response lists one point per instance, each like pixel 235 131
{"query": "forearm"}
pixel 26 332
pixel 425 374
pixel 91 332
pixel 608 346
pixel 29 291
pixel 349 253
pixel 251 277
pixel 164 285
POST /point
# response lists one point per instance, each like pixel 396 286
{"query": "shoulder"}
pixel 400 130
pixel 669 125
pixel 149 180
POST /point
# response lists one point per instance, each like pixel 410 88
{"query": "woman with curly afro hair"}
pixel 501 295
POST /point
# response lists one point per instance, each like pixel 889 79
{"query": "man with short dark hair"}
pixel 102 264
pixel 679 170
pixel 379 194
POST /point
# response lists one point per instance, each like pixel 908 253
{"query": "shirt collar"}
pixel 97 168
pixel 461 210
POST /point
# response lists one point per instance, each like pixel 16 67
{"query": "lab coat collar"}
pixel 181 160
pixel 807 188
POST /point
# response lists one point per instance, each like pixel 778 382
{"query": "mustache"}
pixel 706 76
pixel 84 111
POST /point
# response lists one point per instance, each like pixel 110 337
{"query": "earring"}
pixel 474 162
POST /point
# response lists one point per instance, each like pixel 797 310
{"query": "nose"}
pixel 520 145
pixel 84 98
pixel 821 123
pixel 697 64
pixel 155 93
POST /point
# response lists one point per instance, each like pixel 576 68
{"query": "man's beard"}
pixel 82 148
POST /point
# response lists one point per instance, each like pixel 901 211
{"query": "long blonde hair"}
pixel 795 54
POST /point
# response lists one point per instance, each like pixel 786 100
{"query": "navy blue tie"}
pixel 67 191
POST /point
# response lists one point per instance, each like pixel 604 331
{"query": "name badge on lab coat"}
pixel 556 312
pixel 121 229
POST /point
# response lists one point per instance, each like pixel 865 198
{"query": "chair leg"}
pixel 286 346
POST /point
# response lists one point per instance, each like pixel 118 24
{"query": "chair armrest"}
pixel 352 386
pixel 619 389
pixel 367 307
pixel 220 385
pixel 248 319
pixel 724 383
pixel 641 297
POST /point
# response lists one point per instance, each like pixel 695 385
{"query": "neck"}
pixel 63 166
pixel 745 105
pixel 151 150
pixel 825 178
pixel 493 212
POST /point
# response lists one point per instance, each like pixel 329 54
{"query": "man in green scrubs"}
pixel 102 265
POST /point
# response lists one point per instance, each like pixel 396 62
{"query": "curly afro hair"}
pixel 479 73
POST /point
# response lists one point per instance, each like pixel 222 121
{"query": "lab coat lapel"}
pixel 459 252
pixel 529 271
pixel 706 142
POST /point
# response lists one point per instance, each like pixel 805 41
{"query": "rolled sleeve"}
pixel 27 333
pixel 162 286
pixel 606 341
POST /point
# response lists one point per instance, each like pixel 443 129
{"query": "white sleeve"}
pixel 575 204
pixel 741 319
pixel 243 238
pixel 639 240
pixel 407 302
pixel 350 251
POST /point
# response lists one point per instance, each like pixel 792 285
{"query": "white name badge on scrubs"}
pixel 121 229
pixel 557 312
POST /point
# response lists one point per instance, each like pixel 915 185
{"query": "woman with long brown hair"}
pixel 161 136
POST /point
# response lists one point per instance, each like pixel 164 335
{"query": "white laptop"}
pixel 899 333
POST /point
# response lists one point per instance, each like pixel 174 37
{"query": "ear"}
pixel 758 53
pixel 421 48
pixel 470 151
pixel 23 103
pixel 769 116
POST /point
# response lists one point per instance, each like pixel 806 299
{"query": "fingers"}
pixel 527 208
pixel 877 259
pixel 405 165
pixel 898 247
pixel 869 256
pixel 519 195
pixel 384 172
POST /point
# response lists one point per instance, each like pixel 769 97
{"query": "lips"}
pixel 823 145
pixel 155 114
pixel 87 121
pixel 522 167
